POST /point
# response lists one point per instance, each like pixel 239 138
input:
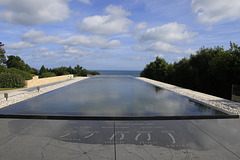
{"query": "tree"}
pixel 93 73
pixel 78 70
pixel 156 70
pixel 42 70
pixel 34 71
pixel 70 70
pixel 15 62
pixel 60 71
pixel 2 54
pixel 47 74
pixel 212 70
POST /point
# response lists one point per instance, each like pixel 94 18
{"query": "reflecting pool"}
pixel 114 96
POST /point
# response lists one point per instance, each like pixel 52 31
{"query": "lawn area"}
pixel 4 89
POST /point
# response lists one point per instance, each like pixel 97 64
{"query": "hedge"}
pixel 24 74
pixel 11 80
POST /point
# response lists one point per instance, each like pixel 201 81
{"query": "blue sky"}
pixel 114 35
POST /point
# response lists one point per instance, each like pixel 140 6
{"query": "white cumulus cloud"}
pixel 85 1
pixel 138 58
pixel 39 37
pixel 34 37
pixel 212 11
pixel 72 51
pixel 113 23
pixel 116 11
pixel 30 12
pixel 19 45
pixel 161 47
pixel 170 33
pixel 44 52
pixel 32 34
pixel 140 26
pixel 91 41
pixel 50 53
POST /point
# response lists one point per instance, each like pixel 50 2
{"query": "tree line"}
pixel 211 70
pixel 14 71
pixel 77 71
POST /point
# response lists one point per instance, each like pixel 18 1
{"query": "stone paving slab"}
pixel 173 139
pixel 219 103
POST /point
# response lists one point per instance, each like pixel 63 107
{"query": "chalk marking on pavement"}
pixel 64 135
pixel 112 137
pixel 122 136
pixel 149 137
pixel 90 135
pixel 173 139
pixel 136 138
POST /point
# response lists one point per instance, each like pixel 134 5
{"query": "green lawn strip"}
pixel 5 89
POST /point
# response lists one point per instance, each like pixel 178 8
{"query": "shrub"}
pixel 47 74
pixel 2 68
pixel 11 80
pixel 93 73
pixel 24 74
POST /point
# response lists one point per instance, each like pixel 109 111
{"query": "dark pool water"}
pixel 111 96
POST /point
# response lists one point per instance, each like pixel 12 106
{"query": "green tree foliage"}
pixel 77 70
pixel 60 71
pixel 93 73
pixel 25 75
pixel 47 74
pixel 80 71
pixel 42 70
pixel 210 70
pixel 34 71
pixel 17 62
pixel 2 68
pixel 70 70
pixel 2 54
pixel 156 70
pixel 11 80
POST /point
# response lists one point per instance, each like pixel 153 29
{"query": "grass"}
pixel 4 89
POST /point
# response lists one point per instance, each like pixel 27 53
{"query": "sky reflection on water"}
pixel 111 96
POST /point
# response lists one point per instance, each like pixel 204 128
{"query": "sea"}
pixel 120 72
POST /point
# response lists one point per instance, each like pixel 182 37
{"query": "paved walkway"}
pixel 12 92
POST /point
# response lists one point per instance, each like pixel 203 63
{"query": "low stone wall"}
pixel 38 82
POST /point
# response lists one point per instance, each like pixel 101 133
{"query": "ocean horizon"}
pixel 134 73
